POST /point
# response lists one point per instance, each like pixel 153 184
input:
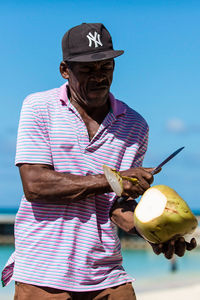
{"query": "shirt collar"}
pixel 118 107
pixel 63 94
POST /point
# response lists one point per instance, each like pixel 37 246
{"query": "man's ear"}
pixel 64 71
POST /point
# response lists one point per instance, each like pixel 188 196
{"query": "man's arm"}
pixel 42 183
pixel 122 215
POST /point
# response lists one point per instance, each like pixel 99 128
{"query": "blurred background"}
pixel 158 76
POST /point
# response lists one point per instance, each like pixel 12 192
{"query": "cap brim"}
pixel 96 56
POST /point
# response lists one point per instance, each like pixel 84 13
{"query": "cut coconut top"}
pixel 114 179
pixel 151 205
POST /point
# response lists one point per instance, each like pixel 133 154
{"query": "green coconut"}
pixel 162 214
pixel 115 179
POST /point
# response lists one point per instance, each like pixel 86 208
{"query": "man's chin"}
pixel 97 101
pixel 100 93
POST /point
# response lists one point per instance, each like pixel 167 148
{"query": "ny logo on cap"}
pixel 94 38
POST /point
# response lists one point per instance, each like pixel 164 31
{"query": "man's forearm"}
pixel 42 184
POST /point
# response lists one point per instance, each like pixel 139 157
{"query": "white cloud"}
pixel 176 125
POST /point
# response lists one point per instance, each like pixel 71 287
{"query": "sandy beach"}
pixel 180 293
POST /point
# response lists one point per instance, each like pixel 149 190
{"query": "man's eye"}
pixel 85 70
pixel 107 67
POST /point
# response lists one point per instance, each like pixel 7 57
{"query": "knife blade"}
pixel 166 160
pixel 120 199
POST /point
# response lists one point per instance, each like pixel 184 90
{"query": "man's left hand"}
pixel 175 246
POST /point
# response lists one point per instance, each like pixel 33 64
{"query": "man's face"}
pixel 90 83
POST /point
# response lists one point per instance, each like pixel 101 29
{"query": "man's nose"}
pixel 98 76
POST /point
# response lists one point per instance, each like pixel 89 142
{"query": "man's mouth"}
pixel 96 87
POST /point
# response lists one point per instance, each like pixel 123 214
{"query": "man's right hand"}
pixel 145 179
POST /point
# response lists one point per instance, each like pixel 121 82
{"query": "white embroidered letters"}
pixel 94 38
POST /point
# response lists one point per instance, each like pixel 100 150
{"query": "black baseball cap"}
pixel 88 42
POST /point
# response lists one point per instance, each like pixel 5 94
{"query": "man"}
pixel 66 244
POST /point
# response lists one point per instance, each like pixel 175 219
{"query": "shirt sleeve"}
pixel 33 144
pixel 139 157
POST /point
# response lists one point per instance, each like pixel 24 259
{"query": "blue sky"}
pixel 158 76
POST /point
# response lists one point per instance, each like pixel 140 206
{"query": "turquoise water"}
pixel 154 271
pixel 144 265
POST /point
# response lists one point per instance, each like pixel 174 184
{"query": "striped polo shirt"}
pixel 75 246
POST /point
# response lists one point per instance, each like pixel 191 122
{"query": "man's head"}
pixel 88 63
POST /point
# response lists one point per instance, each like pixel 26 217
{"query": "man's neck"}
pixel 97 114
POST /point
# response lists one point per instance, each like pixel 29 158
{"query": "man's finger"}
pixel 157 248
pixel 191 245
pixel 158 171
pixel 147 175
pixel 180 246
pixel 144 185
pixel 169 249
pixel 149 169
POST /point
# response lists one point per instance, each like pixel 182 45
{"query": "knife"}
pixel 120 199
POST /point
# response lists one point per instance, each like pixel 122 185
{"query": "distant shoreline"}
pixel 128 242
